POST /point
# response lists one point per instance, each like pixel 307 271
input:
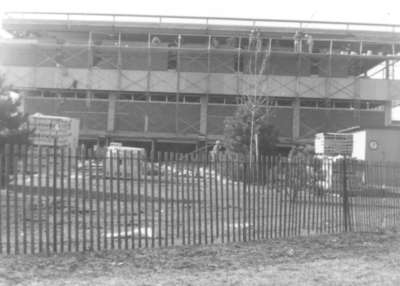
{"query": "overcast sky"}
pixel 383 11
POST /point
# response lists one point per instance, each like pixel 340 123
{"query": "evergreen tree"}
pixel 13 123
pixel 13 127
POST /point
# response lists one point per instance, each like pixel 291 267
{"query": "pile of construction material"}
pixel 333 144
pixel 51 131
pixel 123 161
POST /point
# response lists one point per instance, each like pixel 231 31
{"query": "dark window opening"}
pixel 181 98
pixel 376 105
pixel 35 93
pixel 308 103
pixel 125 96
pixel 364 105
pixel 192 98
pixel 172 60
pixel 81 95
pixel 238 64
pixel 216 99
pixel 342 104
pixel 314 68
pixel 49 94
pixel 284 102
pixel 171 97
pixel 100 95
pixel 231 100
pixel 158 97
pixel 139 97
pixel 172 56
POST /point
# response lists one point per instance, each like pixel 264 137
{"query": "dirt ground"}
pixel 345 259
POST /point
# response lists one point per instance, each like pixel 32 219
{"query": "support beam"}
pixel 329 73
pixel 146 122
pixel 89 92
pixel 204 97
pixel 148 75
pixel 112 98
pixel 388 113
pixel 239 67
pixel 203 114
pixel 119 63
pixel 90 63
pixel 201 149
pixel 178 83
pixel 387 69
pixel 34 67
pixel 388 104
pixel 111 112
pixel 296 119
pixel 153 149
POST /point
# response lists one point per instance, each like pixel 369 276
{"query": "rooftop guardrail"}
pixel 206 21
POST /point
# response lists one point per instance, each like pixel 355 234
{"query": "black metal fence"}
pixel 66 201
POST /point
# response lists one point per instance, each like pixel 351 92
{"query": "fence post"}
pixel 244 202
pixel 55 195
pixel 345 196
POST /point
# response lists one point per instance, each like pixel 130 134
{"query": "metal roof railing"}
pixel 206 21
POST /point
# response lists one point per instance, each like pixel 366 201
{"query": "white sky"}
pixel 383 11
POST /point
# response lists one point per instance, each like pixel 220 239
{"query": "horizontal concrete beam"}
pixel 165 81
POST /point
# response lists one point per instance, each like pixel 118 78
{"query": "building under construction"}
pixel 167 82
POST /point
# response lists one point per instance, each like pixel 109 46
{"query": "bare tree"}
pixel 255 104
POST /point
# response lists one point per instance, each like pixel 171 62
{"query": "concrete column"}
pixel 178 83
pixel 387 70
pixel 111 112
pixel 89 98
pixel 388 113
pixel 203 114
pixel 296 119
pixel 89 76
pixel 201 148
pixel 146 123
pixel 119 63
pixel 108 140
pixel 148 75
pixel 153 149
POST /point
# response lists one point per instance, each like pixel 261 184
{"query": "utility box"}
pixel 377 145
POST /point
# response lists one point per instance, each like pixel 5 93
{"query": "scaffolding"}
pixel 201 52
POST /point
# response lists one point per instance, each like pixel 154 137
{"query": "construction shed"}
pixel 379 145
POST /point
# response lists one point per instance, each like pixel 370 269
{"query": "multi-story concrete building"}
pixel 165 81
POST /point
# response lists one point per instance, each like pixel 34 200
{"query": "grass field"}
pixel 186 215
pixel 345 259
